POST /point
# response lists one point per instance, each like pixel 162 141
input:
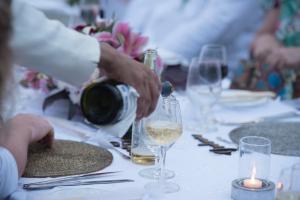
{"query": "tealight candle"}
pixel 253 183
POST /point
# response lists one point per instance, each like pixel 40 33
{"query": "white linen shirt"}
pixel 8 174
pixel 183 27
pixel 48 46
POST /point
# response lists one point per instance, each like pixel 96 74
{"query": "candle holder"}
pixel 254 167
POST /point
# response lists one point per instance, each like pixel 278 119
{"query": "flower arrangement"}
pixel 118 35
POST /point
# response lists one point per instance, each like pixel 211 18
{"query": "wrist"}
pixel 108 55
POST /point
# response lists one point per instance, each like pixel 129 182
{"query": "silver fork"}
pixel 72 183
pixel 72 178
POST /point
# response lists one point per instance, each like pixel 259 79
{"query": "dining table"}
pixel 200 173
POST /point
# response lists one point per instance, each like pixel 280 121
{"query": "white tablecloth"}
pixel 200 173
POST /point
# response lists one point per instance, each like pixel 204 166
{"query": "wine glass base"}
pixel 153 173
pixel 167 187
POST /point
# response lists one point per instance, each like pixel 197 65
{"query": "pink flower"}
pixel 43 85
pixel 131 43
pixel 107 37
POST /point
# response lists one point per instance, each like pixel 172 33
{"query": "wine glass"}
pixel 154 172
pixel 288 185
pixel 204 89
pixel 215 52
pixel 163 128
pixel 90 11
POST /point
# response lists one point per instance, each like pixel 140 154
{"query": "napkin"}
pixel 232 96
pixel 254 114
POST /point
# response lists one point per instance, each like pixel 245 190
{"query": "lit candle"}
pixel 253 183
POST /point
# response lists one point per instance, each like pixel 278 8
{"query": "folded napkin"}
pixel 232 96
pixel 270 111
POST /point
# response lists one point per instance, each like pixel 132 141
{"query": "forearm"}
pixel 16 140
pixel 270 23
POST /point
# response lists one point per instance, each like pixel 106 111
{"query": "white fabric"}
pixel 185 28
pixel 199 173
pixel 48 46
pixel 8 174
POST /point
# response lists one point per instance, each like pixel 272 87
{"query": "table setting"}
pixel 206 142
pixel 200 171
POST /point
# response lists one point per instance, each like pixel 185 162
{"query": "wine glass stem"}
pixel 162 160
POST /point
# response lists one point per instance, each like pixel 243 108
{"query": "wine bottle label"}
pixel 129 100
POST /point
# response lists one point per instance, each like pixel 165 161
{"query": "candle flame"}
pixel 253 175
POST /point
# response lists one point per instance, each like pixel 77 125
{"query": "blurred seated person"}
pixel 277 44
pixel 184 26
pixel 17 133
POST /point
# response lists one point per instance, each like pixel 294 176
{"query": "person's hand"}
pixel 284 57
pixel 263 46
pixel 119 67
pixel 37 128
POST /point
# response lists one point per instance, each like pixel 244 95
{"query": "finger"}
pixel 155 91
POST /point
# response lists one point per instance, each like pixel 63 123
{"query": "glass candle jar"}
pixel 254 162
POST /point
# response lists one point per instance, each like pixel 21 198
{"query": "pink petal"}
pixel 107 37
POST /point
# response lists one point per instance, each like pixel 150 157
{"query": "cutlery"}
pixel 217 149
pixel 72 178
pixel 74 183
pixel 223 149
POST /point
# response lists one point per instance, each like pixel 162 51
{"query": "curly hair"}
pixel 5 52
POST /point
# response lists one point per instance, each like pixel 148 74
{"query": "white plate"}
pixel 243 98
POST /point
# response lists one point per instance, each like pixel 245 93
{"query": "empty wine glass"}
pixel 215 52
pixel 288 185
pixel 204 89
pixel 163 128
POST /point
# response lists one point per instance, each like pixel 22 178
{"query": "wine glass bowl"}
pixel 163 128
pixel 204 89
pixel 216 52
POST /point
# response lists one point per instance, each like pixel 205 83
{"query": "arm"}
pixel 265 40
pixel 48 46
pixel 22 130
pixel 218 20
pixel 15 137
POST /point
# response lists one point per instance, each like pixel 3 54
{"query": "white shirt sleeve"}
pixel 48 46
pixel 8 174
pixel 218 22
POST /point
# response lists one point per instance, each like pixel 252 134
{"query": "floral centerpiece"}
pixel 118 35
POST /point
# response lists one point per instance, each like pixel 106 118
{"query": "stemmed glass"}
pixel 288 185
pixel 215 52
pixel 162 129
pixel 204 89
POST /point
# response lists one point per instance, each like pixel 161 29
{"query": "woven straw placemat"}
pixel 66 158
pixel 285 137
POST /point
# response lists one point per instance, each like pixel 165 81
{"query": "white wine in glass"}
pixel 163 132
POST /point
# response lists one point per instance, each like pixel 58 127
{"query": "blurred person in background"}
pixel 277 44
pixel 182 27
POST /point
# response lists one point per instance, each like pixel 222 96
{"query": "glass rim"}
pixel 266 140
pixel 213 45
